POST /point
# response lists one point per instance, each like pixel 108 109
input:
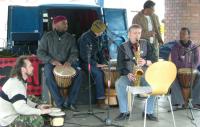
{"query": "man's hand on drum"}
pixel 101 65
pixel 55 63
pixel 131 76
pixel 67 64
pixel 44 106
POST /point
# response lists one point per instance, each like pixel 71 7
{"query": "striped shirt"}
pixel 13 102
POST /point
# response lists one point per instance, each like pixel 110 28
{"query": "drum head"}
pixel 67 71
pixel 187 70
pixel 55 114
pixel 55 110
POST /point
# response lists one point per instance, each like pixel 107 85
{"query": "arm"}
pixel 121 65
pixel 141 21
pixel 73 52
pixel 151 57
pixel 42 51
pixel 175 56
pixel 196 58
pixel 84 43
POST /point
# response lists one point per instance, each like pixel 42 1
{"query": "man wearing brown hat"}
pixel 90 46
pixel 150 25
pixel 58 48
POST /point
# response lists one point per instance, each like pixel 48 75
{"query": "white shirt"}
pixel 150 27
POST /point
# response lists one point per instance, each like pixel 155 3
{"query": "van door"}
pixel 116 20
pixel 23 24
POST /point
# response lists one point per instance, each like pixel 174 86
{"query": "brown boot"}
pixel 101 104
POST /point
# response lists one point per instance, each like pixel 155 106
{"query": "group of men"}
pixel 59 48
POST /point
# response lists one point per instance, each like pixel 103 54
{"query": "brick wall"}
pixel 182 13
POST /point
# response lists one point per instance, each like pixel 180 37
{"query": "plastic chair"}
pixel 160 76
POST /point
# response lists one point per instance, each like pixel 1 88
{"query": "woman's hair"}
pixel 16 70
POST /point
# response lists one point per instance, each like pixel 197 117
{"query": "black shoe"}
pixel 122 116
pixel 150 117
pixel 71 107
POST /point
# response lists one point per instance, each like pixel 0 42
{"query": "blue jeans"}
pixel 120 86
pixel 54 90
pixel 98 77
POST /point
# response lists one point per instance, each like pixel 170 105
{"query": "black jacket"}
pixel 125 62
pixel 95 52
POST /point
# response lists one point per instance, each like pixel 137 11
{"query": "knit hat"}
pixel 98 26
pixel 58 19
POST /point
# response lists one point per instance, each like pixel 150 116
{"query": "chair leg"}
pixel 169 99
pixel 131 109
pixel 145 111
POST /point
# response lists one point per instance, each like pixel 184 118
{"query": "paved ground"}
pixel 182 117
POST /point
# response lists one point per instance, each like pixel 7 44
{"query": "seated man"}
pixel 182 59
pixel 90 43
pixel 126 66
pixel 15 108
pixel 57 48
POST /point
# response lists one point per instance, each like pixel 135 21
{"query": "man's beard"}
pixel 29 74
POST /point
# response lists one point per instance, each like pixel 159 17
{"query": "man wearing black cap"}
pixel 89 44
pixel 58 48
pixel 150 25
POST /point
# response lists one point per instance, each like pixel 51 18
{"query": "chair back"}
pixel 160 76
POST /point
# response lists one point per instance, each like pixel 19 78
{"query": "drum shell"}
pixel 114 75
pixel 54 119
pixel 186 76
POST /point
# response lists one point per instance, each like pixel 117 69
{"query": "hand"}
pixel 67 64
pixel 151 34
pixel 46 111
pixel 101 65
pixel 56 63
pixel 161 42
pixel 131 77
pixel 44 106
pixel 141 62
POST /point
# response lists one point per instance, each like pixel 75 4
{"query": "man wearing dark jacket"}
pixel 58 48
pixel 90 44
pixel 126 67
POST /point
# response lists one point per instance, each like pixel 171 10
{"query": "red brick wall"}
pixel 182 13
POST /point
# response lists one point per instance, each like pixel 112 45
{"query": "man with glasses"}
pixel 150 25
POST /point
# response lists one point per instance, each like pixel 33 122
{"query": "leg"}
pixel 28 121
pixel 74 88
pixel 97 74
pixel 151 99
pixel 176 94
pixel 120 86
pixel 52 85
pixel 196 92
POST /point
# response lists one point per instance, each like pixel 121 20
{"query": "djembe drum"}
pixel 186 76
pixel 63 76
pixel 113 75
pixel 57 119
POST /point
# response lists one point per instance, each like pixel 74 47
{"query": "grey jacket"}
pixel 125 62
pixel 52 47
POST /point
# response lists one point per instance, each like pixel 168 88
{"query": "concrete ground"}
pixel 182 117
